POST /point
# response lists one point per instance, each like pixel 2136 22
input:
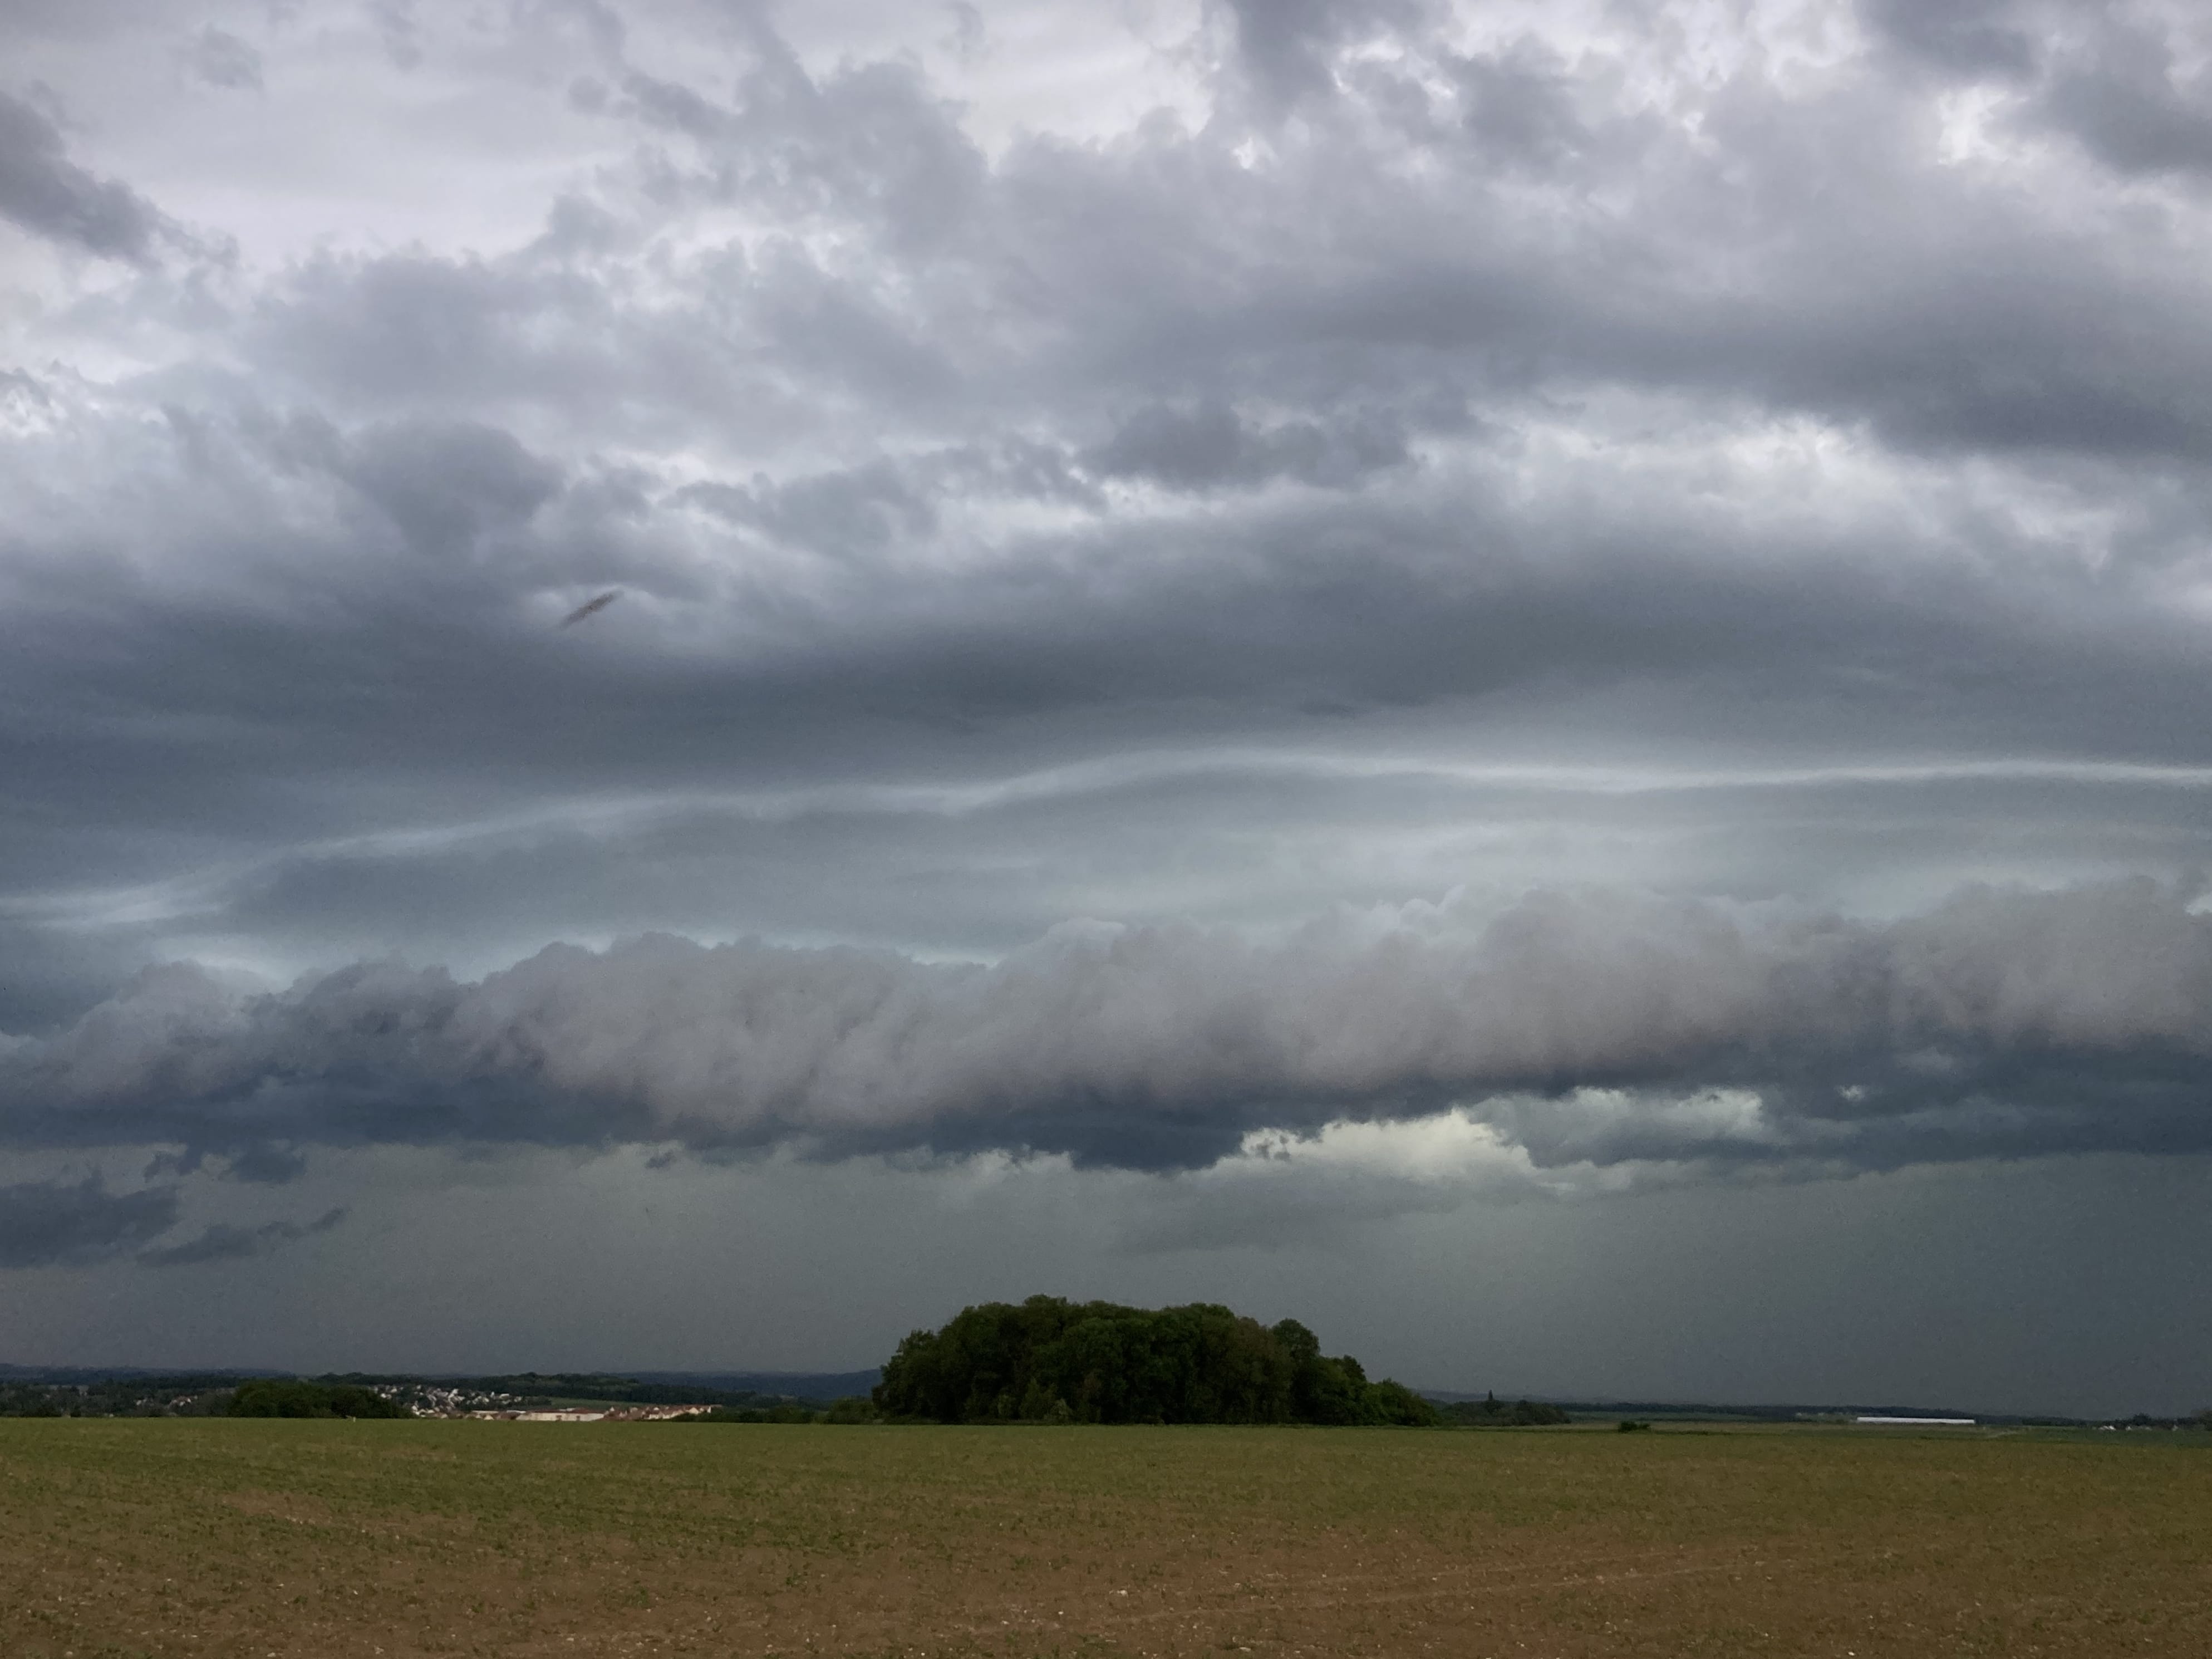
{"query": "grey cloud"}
pixel 221 60
pixel 2003 1023
pixel 1211 444
pixel 842 334
pixel 2107 75
pixel 1286 47
pixel 68 19
pixel 222 1241
pixel 267 1165
pixel 412 328
pixel 325 681
pixel 862 509
pixel 1161 271
pixel 49 195
pixel 666 104
pixel 398 31
pixel 868 144
pixel 50 1224
pixel 957 869
pixel 769 348
pixel 1455 567
pixel 445 485
pixel 2120 96
pixel 1971 37
pixel 1521 104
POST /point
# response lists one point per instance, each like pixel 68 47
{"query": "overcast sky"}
pixel 1531 681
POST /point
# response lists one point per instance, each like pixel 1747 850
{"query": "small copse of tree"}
pixel 288 1397
pixel 1051 1360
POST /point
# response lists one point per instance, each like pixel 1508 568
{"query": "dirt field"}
pixel 252 1538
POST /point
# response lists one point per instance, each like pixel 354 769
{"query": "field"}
pixel 177 1537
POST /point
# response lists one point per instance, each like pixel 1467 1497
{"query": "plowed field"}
pixel 174 1537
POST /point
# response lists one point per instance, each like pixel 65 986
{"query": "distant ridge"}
pixel 126 1373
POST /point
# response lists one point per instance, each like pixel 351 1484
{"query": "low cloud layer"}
pixel 223 1241
pixel 2004 1023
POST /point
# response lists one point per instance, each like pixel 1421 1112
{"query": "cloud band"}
pixel 2002 1022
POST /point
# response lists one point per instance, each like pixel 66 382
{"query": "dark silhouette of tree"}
pixel 1050 1359
pixel 285 1397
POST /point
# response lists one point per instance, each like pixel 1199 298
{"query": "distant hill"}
pixel 71 1375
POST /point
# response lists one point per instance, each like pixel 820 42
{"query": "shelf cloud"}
pixel 2000 1023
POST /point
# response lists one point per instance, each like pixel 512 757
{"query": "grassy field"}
pixel 249 1538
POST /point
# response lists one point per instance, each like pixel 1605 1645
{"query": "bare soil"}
pixel 254 1538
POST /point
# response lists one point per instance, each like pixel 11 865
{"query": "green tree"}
pixel 290 1397
pixel 1099 1362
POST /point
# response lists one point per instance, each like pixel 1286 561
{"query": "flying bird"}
pixel 590 607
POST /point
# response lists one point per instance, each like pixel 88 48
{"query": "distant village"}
pixel 24 1392
pixel 429 1401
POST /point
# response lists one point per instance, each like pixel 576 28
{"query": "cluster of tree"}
pixel 290 1397
pixel 1052 1360
pixel 1491 1413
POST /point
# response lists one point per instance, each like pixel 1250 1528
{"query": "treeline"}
pixel 290 1397
pixel 1051 1360
pixel 135 1395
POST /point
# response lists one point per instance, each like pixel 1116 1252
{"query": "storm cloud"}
pixel 2002 1024
pixel 46 193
